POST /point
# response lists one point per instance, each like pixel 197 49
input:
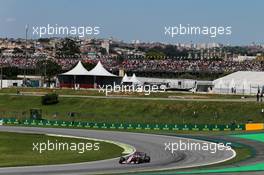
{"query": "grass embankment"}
pixel 17 150
pixel 135 111
pixel 93 92
pixel 47 90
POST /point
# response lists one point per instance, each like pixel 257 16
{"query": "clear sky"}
pixel 138 19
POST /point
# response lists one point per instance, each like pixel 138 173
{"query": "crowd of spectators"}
pixel 18 62
pixel 65 63
pixel 170 65
pixel 144 65
pixel 110 64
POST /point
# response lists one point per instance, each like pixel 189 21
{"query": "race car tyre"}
pixel 147 159
pixel 121 160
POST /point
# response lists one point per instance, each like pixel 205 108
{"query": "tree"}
pixel 155 54
pixel 120 59
pixel 46 40
pixel 103 51
pixel 17 50
pixel 69 47
pixel 89 66
pixel 50 99
pixel 11 72
pixel 48 68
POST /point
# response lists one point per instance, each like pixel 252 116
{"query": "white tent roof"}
pixel 244 82
pixel 77 70
pixel 241 78
pixel 125 78
pixel 134 79
pixel 99 70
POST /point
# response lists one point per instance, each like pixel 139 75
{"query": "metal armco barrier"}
pixel 124 126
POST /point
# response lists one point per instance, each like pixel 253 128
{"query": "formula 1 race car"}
pixel 136 158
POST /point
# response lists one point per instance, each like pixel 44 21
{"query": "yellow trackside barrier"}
pixel 254 126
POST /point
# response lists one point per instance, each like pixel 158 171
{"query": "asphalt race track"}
pixel 151 144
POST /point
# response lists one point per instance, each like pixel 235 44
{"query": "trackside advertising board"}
pixel 125 126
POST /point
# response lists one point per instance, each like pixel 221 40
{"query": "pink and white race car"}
pixel 136 158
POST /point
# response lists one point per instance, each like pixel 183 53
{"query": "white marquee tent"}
pixel 242 82
pixel 77 70
pixel 99 70
pixel 132 80
pixel 80 77
pixel 125 79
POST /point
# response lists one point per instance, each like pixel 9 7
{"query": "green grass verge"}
pixel 253 136
pixel 135 111
pixel 17 150
pixel 93 92
pixel 47 90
